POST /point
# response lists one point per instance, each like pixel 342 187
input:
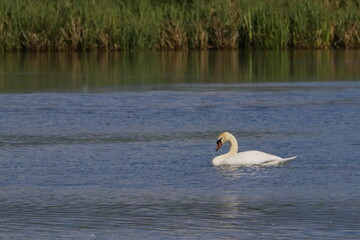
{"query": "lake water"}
pixel 119 145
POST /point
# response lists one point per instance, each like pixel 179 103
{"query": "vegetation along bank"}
pixel 115 25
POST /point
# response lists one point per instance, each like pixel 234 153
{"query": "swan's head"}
pixel 222 138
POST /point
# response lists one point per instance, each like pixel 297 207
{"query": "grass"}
pixel 115 25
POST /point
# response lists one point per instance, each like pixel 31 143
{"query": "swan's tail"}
pixel 278 161
pixel 285 160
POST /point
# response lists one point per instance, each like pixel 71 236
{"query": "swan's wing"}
pixel 270 162
pixel 252 158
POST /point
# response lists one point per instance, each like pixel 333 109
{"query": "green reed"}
pixel 113 25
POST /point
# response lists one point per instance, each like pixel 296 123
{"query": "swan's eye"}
pixel 219 141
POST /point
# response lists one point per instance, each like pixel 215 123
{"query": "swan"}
pixel 246 158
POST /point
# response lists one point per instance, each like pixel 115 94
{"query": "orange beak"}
pixel 219 144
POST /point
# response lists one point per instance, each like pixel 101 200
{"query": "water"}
pixel 123 149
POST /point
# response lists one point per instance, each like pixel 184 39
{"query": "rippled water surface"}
pixel 94 150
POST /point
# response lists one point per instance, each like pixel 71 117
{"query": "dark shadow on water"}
pixel 88 72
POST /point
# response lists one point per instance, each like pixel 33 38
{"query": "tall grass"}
pixel 113 25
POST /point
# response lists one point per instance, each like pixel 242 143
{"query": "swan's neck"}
pixel 233 151
pixel 233 146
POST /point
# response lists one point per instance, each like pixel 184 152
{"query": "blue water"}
pixel 135 162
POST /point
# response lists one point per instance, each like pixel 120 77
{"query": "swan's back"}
pixel 253 158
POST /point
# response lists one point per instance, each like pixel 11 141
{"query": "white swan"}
pixel 247 158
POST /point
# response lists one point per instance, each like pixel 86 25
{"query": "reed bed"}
pixel 114 25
